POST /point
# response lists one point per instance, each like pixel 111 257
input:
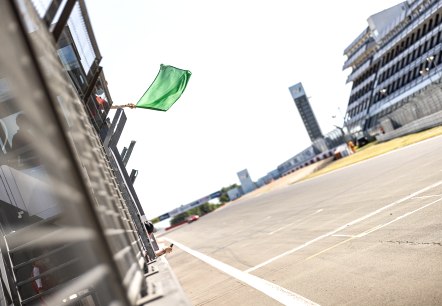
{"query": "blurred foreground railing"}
pixel 67 233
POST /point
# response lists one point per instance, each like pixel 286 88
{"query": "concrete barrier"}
pixel 416 126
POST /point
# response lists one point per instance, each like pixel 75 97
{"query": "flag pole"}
pixel 129 105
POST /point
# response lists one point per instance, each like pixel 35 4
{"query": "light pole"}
pixel 426 71
pixel 341 129
pixel 431 62
pixel 341 116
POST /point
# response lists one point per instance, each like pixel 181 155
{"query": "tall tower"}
pixel 247 184
pixel 306 112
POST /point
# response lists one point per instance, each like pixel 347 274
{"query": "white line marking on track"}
pixel 414 194
pixel 348 236
pixel 281 228
pixel 428 196
pixel 280 294
pixel 371 230
pixel 397 219
pixel 290 224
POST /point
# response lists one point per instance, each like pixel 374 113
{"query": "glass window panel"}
pixel 81 38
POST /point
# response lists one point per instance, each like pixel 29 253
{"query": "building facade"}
pixel 395 68
pixel 247 185
pixel 235 193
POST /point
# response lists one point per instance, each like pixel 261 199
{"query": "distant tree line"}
pixel 155 220
pixel 224 197
pixel 202 209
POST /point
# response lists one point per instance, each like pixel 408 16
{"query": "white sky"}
pixel 237 111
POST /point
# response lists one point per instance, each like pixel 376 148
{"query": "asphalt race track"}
pixel 368 234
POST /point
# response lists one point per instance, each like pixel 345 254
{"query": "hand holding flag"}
pixel 165 90
pixel 130 105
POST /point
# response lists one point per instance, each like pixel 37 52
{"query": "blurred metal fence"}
pixel 423 104
pixel 67 235
pixel 421 111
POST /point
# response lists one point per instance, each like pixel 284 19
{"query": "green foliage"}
pixel 206 208
pixel 155 220
pixel 200 211
pixel 224 198
pixel 179 218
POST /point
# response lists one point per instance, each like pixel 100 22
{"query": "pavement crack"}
pixel 412 242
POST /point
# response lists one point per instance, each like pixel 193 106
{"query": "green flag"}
pixel 166 89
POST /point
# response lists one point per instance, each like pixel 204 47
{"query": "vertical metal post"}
pixel 129 152
pixel 133 175
pixel 123 153
pixel 67 10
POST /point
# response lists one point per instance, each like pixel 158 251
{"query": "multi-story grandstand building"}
pixel 396 65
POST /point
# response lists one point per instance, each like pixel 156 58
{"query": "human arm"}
pixel 130 105
pixel 163 251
